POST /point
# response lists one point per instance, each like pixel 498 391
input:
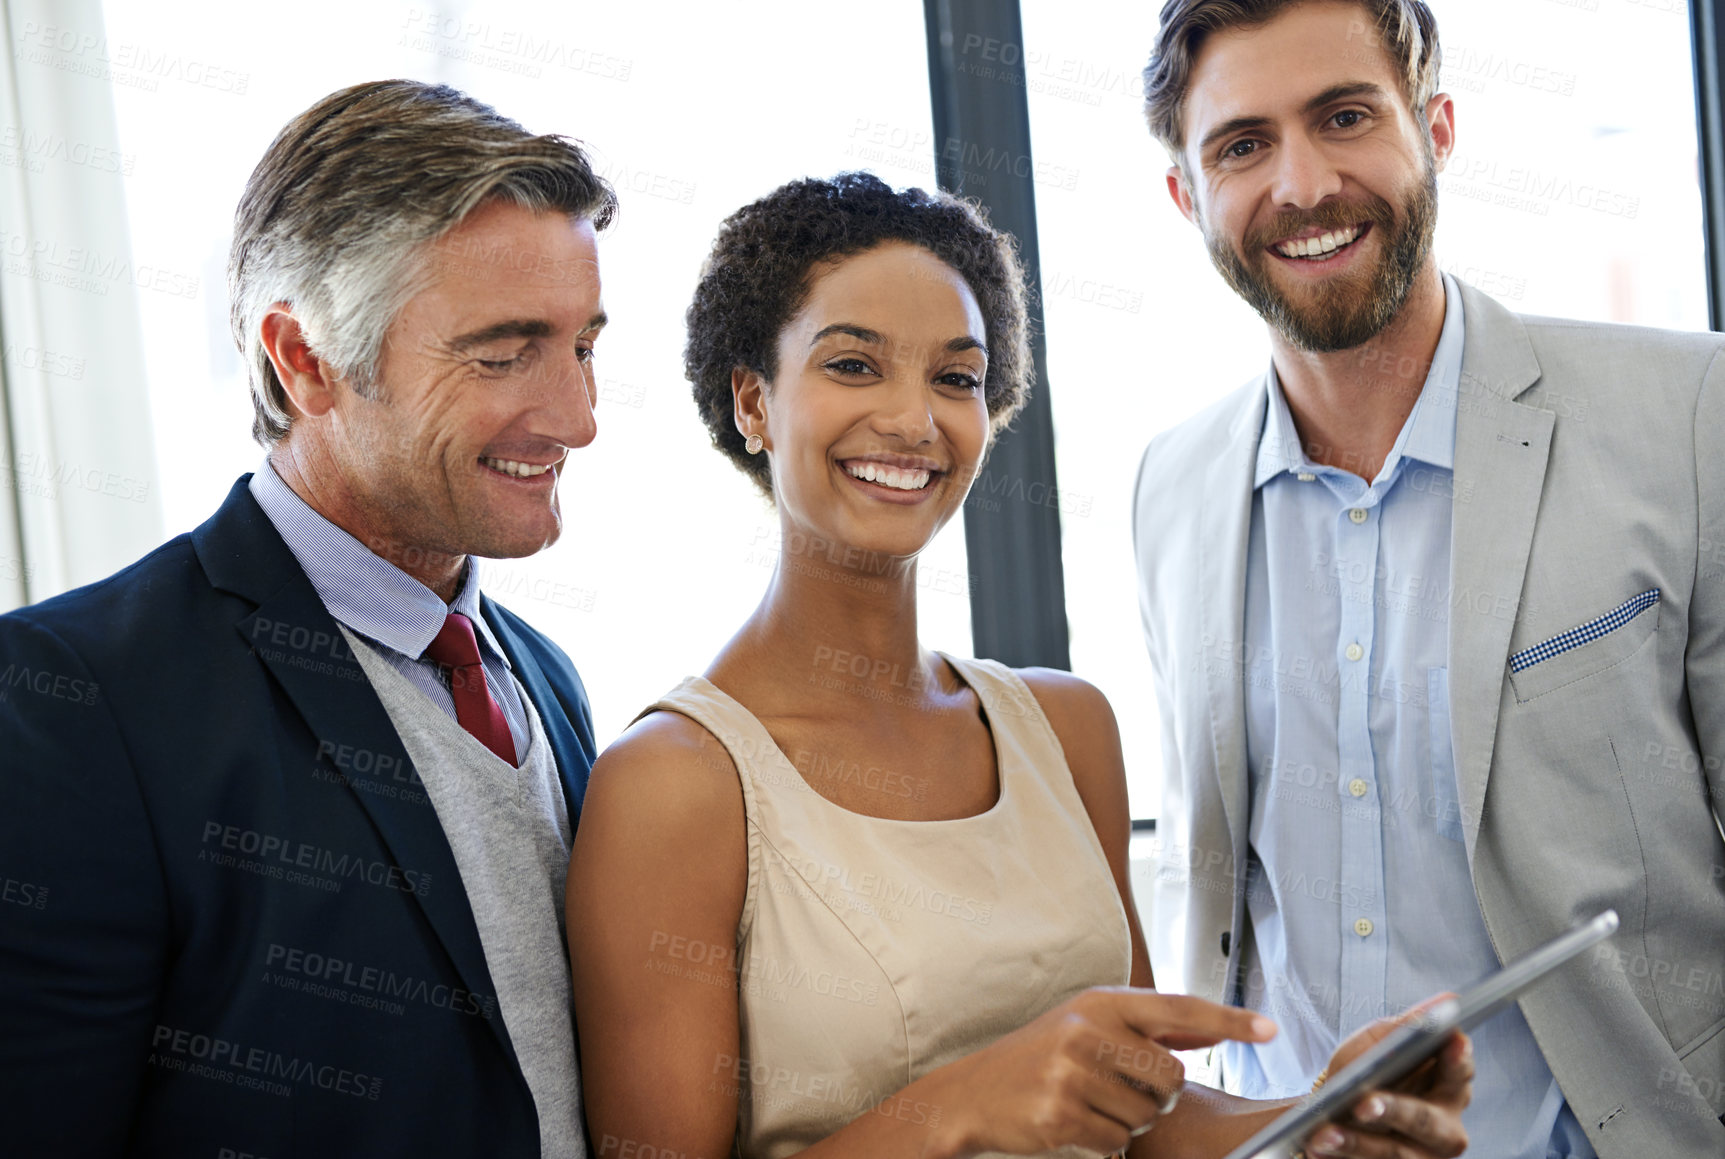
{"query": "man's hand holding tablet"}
pixel 1410 1113
pixel 1415 1116
pixel 1411 1074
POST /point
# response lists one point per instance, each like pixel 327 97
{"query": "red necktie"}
pixel 457 650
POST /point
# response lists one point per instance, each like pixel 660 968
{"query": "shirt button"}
pixel 1358 787
pixel 1358 514
pixel 1354 652
pixel 1305 476
pixel 1363 927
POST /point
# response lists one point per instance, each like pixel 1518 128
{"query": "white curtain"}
pixel 77 459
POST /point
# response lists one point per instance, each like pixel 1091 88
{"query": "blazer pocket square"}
pixel 1566 657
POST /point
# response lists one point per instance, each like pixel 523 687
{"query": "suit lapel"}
pixel 565 745
pixel 242 553
pixel 1501 450
pixel 1224 530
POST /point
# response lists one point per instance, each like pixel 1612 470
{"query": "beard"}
pixel 1352 309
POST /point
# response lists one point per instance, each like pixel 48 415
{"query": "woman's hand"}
pixel 1092 1072
pixel 1419 1117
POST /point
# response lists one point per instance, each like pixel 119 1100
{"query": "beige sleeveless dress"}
pixel 873 951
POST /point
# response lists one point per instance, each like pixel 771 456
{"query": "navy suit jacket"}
pixel 230 922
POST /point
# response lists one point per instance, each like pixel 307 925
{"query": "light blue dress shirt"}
pixel 376 599
pixel 1359 895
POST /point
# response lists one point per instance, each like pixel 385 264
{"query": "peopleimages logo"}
pixel 86 268
pixel 352 980
pixel 44 683
pixel 826 876
pixel 274 852
pixel 55 147
pixel 135 65
pixel 37 473
pixel 782 1086
pixel 229 1061
pixel 522 51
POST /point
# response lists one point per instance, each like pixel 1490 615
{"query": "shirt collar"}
pixel 1279 447
pixel 1428 434
pixel 360 588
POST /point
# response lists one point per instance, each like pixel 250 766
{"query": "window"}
pixel 1573 191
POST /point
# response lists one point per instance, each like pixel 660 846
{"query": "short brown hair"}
pixel 1406 29
pixel 337 217
pixel 769 252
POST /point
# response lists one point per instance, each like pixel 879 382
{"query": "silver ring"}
pixel 1167 1105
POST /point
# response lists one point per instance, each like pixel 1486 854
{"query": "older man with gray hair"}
pixel 295 849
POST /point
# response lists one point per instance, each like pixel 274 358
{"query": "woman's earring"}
pixel 753 444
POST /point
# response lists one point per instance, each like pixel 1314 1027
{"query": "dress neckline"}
pixel 1000 763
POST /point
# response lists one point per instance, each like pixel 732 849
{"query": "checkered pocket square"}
pixel 1588 632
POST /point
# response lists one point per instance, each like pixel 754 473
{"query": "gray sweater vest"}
pixel 509 830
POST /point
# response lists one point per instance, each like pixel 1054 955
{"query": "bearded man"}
pixel 1436 609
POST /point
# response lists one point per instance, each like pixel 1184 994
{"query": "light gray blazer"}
pixel 1589 468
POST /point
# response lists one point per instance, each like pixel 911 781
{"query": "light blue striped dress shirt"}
pixel 1359 894
pixel 378 600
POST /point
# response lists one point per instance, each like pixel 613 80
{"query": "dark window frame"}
pixel 1707 40
pixel 982 151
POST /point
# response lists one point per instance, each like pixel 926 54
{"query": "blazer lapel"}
pixel 242 553
pixel 1225 524
pixel 1501 450
pixel 565 745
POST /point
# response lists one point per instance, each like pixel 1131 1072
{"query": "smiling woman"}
pixel 899 920
pixel 758 277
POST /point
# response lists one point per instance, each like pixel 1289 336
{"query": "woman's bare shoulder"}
pixel 1073 705
pixel 667 772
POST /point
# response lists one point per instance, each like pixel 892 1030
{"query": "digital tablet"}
pixel 1406 1047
